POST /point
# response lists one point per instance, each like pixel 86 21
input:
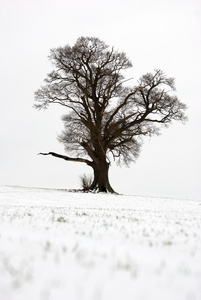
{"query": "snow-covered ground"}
pixel 59 245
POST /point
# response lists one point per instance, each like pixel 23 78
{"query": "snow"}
pixel 60 245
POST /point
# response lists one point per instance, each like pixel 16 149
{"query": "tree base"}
pixel 97 191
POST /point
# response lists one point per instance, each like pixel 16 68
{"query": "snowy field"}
pixel 59 245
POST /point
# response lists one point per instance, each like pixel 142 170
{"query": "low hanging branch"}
pixel 78 159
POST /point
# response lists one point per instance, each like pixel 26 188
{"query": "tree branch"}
pixel 77 159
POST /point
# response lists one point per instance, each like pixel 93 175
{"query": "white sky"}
pixel 163 34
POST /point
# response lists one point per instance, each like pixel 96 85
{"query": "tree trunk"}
pixel 101 179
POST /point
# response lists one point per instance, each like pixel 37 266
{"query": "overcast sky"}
pixel 163 34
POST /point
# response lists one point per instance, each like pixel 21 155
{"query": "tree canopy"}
pixel 105 119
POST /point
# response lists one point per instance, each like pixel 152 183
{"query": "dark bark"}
pixel 101 178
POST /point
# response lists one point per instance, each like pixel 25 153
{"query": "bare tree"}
pixel 105 119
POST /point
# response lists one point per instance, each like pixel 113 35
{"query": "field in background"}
pixel 59 245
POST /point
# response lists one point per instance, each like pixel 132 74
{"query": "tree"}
pixel 105 119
